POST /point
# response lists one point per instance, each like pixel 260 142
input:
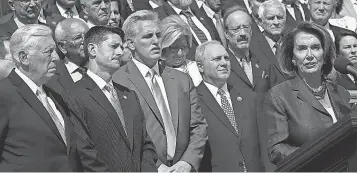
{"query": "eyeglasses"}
pixel 240 28
pixel 174 48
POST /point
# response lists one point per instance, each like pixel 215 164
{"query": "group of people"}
pixel 169 85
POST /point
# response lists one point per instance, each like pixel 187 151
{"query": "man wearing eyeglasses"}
pixel 69 35
pixel 24 12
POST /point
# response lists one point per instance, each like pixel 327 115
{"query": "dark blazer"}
pixel 225 149
pixel 346 82
pixel 141 5
pixel 337 30
pixel 62 80
pixel 30 140
pixel 97 119
pixel 290 20
pixel 295 116
pixel 189 123
pixel 7 25
pixel 166 10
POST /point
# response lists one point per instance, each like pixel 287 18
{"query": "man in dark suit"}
pixel 36 132
pixel 69 35
pixel 108 113
pixel 230 113
pixel 57 10
pixel 296 12
pixel 95 14
pixel 167 96
pixel 147 4
pixel 201 25
pixel 23 13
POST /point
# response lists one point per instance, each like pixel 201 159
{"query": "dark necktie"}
pixel 69 13
pixel 220 28
pixel 199 33
pixel 165 114
pixel 82 70
pixel 298 14
pixel 276 46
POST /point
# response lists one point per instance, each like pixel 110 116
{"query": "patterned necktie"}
pixel 44 100
pixel 297 12
pixel 166 117
pixel 220 28
pixel 247 69
pixel 114 100
pixel 276 47
pixel 69 13
pixel 199 33
pixel 228 110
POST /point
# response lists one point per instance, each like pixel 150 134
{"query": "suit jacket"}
pixel 295 116
pixel 166 10
pixel 225 149
pixel 348 9
pixel 30 140
pixel 141 5
pixel 7 25
pixel 189 123
pixel 62 80
pixel 98 121
pixel 346 82
pixel 337 30
pixel 290 20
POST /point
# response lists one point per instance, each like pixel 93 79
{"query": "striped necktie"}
pixel 199 33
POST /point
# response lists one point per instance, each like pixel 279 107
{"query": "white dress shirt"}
pixel 153 5
pixel 271 43
pixel 34 88
pixel 144 71
pixel 63 11
pixel 210 13
pixel 195 20
pixel 90 24
pixel 72 67
pixel 247 5
pixel 101 83
pixel 291 10
pixel 192 69
pixel 214 90
pixel 354 2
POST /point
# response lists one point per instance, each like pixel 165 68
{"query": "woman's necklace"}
pixel 319 92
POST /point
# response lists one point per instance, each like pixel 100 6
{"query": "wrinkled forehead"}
pixel 238 18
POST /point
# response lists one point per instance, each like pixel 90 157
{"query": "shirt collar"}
pixel 153 5
pixel 199 3
pixel 98 80
pixel 28 81
pixel 63 11
pixel 90 24
pixel 145 69
pixel 214 89
pixel 71 67
pixel 270 41
pixel 177 10
pixel 210 13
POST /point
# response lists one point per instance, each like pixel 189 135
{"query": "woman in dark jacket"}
pixel 303 107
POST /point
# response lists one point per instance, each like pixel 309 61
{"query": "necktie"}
pixel 81 70
pixel 298 14
pixel 220 29
pixel 43 98
pixel 69 13
pixel 199 33
pixel 276 47
pixel 114 100
pixel 166 117
pixel 247 69
pixel 228 110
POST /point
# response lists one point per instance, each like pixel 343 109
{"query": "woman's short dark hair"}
pixel 343 33
pixel 286 53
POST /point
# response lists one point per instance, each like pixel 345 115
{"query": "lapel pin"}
pixel 201 18
pixel 239 98
pixel 125 97
pixel 256 66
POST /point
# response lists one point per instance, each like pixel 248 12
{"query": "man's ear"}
pixel 61 47
pixel 92 50
pixel 11 5
pixel 200 66
pixel 130 44
pixel 23 58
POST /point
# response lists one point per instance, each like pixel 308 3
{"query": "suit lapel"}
pixel 128 114
pixel 208 99
pixel 237 69
pixel 168 9
pixel 64 78
pixel 306 12
pixel 33 101
pixel 257 70
pixel 172 95
pixel 98 95
pixel 339 105
pixel 264 46
pixel 304 94
pixel 139 82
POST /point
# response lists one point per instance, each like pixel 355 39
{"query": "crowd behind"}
pixel 170 85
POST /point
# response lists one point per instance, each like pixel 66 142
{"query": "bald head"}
pixel 67 26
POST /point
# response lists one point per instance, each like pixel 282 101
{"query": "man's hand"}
pixel 163 168
pixel 180 166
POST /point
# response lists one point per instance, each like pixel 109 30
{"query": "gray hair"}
pixel 200 51
pixel 64 27
pixel 270 3
pixel 23 39
pixel 131 24
pixel 172 27
pixel 233 9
